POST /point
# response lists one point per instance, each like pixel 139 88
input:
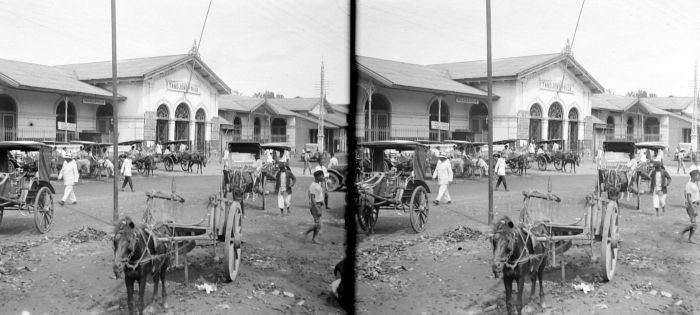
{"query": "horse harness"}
pixel 143 259
pixel 525 255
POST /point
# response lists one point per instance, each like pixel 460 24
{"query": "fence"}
pixel 635 138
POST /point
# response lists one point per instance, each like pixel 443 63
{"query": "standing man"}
pixel 326 176
pixel 159 149
pixel 660 179
pixel 316 201
pixel 126 171
pixel 692 203
pixel 555 147
pixel 283 187
pixel 500 169
pixel 681 155
pixel 333 161
pixel 443 173
pixel 69 174
pixel 307 164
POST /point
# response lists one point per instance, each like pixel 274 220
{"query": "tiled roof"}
pixel 298 104
pixel 623 103
pixel 343 108
pixel 279 110
pixel 413 76
pixel 22 75
pixel 669 103
pixel 141 68
pixel 313 119
pixel 502 67
pixel 338 119
pixel 239 103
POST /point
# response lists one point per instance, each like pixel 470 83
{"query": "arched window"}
pixel 610 127
pixel 104 118
pixel 162 123
pixel 535 122
pixel 555 116
pixel 652 129
pixel 182 122
pixel 439 113
pixel 573 130
pixel 630 128
pixel 256 129
pixel 65 131
pixel 279 130
pixel 237 129
pixel 200 134
pixel 479 121
pixel 379 127
pixel 8 121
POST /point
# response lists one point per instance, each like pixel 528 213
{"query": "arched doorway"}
pixel 652 131
pixel 237 129
pixel 162 123
pixel 104 122
pixel 479 118
pixel 610 128
pixel 200 123
pixel 8 121
pixel 535 122
pixel 256 129
pixel 62 134
pixel 573 130
pixel 182 122
pixel 630 128
pixel 279 130
pixel 439 113
pixel 555 115
pixel 380 126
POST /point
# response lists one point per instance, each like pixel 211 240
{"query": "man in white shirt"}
pixel 444 175
pixel 531 148
pixel 692 203
pixel 70 175
pixel 681 155
pixel 324 183
pixel 500 169
pixel 555 147
pixel 333 161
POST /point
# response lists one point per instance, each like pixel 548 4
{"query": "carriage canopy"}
pixel 420 154
pixel 43 159
pixel 244 147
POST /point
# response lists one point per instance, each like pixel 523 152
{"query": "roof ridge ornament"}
pixel 194 51
pixel 567 49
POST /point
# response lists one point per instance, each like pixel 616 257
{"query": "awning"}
pixel 597 123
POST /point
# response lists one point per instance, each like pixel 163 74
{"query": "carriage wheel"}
pixel 637 187
pixel 557 164
pixel 419 209
pixel 542 164
pixel 262 189
pixel 140 167
pixel 183 165
pixel 168 164
pixel 333 182
pixel 367 217
pixel 610 241
pixel 232 247
pixel 528 164
pixel 43 210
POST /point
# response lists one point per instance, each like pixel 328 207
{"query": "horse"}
pixel 148 163
pixel 520 164
pixel 136 256
pixel 457 165
pixel 614 182
pixel 104 164
pixel 570 158
pixel 197 158
pixel 517 255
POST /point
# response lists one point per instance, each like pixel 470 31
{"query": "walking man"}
pixel 283 187
pixel 443 173
pixel 692 203
pixel 69 174
pixel 307 165
pixel 500 169
pixel 326 176
pixel 681 155
pixel 316 201
pixel 660 179
pixel 126 172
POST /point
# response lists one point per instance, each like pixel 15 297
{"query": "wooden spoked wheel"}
pixel 419 209
pixel 367 218
pixel 168 164
pixel 610 241
pixel 140 167
pixel 183 165
pixel 333 182
pixel 557 164
pixel 232 239
pixel 541 163
pixel 43 210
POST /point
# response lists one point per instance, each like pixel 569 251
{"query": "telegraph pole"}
pixel 321 128
pixel 694 132
pixel 115 214
pixel 490 106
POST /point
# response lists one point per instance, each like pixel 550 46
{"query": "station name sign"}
pixel 556 85
pixel 438 125
pixel 67 126
pixel 466 100
pixel 181 86
pixel 94 101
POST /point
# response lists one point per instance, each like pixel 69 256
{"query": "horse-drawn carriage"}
pixel 467 159
pixel 91 158
pixel 619 172
pixel 27 187
pixel 517 159
pixel 401 187
pixel 144 160
pixel 550 156
pixel 243 173
pixel 176 155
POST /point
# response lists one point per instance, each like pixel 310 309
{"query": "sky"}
pixel 625 45
pixel 252 45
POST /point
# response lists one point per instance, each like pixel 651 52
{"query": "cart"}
pixel 242 177
pixel 614 173
pixel 175 157
pixel 644 169
pixel 280 149
pixel 600 223
pixel 512 159
pixel 27 188
pixel 548 156
pixel 470 156
pixel 141 159
pixel 401 187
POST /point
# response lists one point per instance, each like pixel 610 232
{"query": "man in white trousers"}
pixel 69 174
pixel 443 173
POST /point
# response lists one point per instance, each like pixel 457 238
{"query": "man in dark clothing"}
pixel 283 187
pixel 660 180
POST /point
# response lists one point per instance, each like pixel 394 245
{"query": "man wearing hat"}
pixel 69 174
pixel 692 203
pixel 443 173
pixel 307 165
pixel 316 200
pixel 660 179
pixel 126 172
pixel 283 187
pixel 500 169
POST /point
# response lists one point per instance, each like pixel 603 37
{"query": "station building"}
pixel 69 102
pixel 535 97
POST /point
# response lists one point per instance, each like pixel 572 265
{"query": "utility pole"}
pixel 694 132
pixel 490 106
pixel 115 213
pixel 321 128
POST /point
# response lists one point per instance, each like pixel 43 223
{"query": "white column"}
pixel 171 130
pixel 565 133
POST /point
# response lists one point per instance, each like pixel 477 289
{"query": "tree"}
pixel 640 94
pixel 609 91
pixel 267 94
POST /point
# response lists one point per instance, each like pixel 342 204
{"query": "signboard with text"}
pixel 94 101
pixel 557 85
pixel 181 86
pixel 438 125
pixel 466 100
pixel 66 126
pixel 149 126
pixel 523 125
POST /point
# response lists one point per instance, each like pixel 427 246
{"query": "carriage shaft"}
pixel 561 238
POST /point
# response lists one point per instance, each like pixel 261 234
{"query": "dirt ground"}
pixel 69 270
pixel 447 268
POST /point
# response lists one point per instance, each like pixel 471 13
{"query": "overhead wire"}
pixel 196 52
pixel 569 48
